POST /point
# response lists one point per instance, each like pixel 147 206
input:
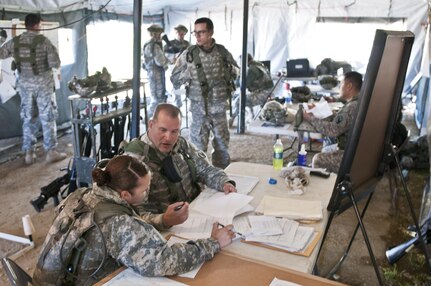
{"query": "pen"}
pixel 234 231
pixel 177 208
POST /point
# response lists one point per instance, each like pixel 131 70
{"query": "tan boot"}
pixel 54 156
pixel 30 157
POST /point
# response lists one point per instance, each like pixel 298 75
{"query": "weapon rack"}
pixel 89 113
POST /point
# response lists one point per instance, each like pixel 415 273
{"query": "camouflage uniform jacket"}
pixel 154 56
pixel 194 166
pixel 129 241
pixel 214 65
pixel 340 124
pixel 258 77
pixel 46 57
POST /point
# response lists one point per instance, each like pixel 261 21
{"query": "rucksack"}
pixel 66 258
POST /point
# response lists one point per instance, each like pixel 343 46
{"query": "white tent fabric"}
pixel 277 29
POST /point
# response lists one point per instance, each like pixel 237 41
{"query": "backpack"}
pixel 66 258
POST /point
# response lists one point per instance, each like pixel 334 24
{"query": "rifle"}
pixel 51 190
pixel 170 49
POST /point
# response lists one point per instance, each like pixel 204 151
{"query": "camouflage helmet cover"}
pixel 155 29
pixel 181 28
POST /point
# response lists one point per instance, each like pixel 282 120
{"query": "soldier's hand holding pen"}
pixel 223 235
pixel 176 213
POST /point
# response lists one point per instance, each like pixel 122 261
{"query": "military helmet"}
pixel 273 112
pixel 155 29
pixel 181 28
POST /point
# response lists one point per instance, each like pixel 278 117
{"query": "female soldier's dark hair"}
pixel 121 173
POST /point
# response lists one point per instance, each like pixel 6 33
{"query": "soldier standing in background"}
pixel 330 157
pixel 35 57
pixel 174 49
pixel 155 63
pixel 208 70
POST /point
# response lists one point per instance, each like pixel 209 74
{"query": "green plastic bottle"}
pixel 277 160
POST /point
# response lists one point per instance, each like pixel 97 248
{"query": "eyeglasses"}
pixel 198 33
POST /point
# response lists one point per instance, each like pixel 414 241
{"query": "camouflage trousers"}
pixel 157 82
pixel 329 160
pixel 258 97
pixel 200 130
pixel 38 107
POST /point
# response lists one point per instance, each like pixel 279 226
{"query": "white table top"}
pixel 320 189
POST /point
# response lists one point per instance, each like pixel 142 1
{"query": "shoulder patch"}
pixel 340 119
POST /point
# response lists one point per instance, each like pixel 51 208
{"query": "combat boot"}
pixel 54 156
pixel 30 157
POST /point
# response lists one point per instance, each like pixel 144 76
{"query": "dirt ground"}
pixel 21 183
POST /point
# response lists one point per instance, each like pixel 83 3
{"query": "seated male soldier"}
pixel 338 127
pixel 179 169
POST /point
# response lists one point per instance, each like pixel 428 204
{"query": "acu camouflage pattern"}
pixel 339 128
pixel 155 63
pixel 178 45
pixel 36 91
pixel 259 83
pixel 129 241
pixel 185 72
pixel 162 191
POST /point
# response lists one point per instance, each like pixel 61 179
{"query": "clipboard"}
pixel 306 252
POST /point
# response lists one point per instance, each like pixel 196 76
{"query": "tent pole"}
pixel 136 83
pixel 241 121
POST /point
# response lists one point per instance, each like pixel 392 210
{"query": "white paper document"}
pixel 321 109
pixel 293 237
pixel 264 225
pixel 279 282
pixel 219 205
pixel 244 184
pixel 291 208
pixel 196 226
pixel 129 277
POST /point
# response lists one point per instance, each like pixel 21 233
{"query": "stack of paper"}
pixel 244 184
pixel 291 208
pixel 221 206
pixel 293 237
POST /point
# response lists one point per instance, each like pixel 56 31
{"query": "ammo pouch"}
pixel 170 170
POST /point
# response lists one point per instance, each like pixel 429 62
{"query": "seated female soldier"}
pixel 97 230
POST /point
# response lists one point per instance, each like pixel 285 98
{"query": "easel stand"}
pixel 345 188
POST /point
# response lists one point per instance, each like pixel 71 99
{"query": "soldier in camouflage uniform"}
pixel 340 124
pixel 155 63
pixel 163 142
pixel 121 237
pixel 208 70
pixel 177 46
pixel 259 85
pixel 35 57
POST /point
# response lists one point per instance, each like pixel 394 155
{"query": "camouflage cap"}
pixel 181 28
pixel 155 29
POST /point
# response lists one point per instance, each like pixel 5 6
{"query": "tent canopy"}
pixel 277 30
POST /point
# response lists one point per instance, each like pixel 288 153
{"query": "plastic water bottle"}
pixel 277 160
pixel 287 95
pixel 302 156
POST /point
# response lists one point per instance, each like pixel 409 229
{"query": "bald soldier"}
pixel 155 63
pixel 340 124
